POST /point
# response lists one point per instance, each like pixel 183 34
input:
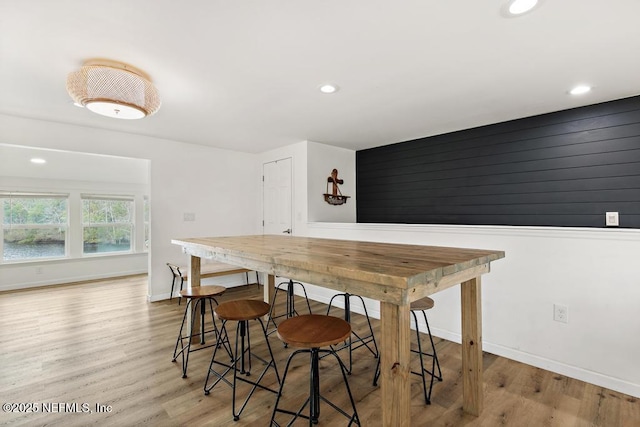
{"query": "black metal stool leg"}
pixel 427 396
pixel 241 365
pixel 181 285
pixel 240 335
pixel 376 374
pixel 433 347
pixel 354 418
pixel 314 387
pixel 185 359
pixel 313 401
pixel 435 363
pixel 272 318
pixel 220 377
pixel 315 397
pixel 220 341
pixel 185 348
pixel 364 340
pixel 290 309
pixel 180 341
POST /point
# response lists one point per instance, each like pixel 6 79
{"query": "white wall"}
pixel 221 187
pixel 591 271
pixel 321 160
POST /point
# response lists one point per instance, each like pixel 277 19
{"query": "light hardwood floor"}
pixel 102 343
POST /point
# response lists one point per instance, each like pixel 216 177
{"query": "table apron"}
pixel 380 292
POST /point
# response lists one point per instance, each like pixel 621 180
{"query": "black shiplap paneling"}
pixel 560 169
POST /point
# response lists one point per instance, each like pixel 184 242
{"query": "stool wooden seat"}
pixel 241 311
pixel 314 330
pixel 203 292
pixel 310 332
pixel 422 305
pixel 201 295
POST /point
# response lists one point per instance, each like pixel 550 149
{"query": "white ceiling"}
pixel 15 163
pixel 244 74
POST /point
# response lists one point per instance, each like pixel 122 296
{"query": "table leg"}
pixel 394 365
pixel 193 282
pixel 472 400
pixel 269 291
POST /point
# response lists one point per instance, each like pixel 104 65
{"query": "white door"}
pixel 277 196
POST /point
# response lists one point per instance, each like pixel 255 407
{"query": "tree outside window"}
pixel 34 226
pixel 107 224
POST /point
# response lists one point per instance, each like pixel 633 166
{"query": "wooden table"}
pixel 394 274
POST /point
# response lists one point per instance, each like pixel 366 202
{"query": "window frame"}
pixel 146 213
pixel 131 223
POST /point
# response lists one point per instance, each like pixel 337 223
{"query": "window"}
pixel 107 223
pixel 34 226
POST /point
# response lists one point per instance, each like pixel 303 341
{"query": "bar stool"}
pixel 201 295
pixel 364 340
pixel 177 275
pixel 209 270
pixel 422 305
pixel 241 311
pixel 309 332
pixel 290 311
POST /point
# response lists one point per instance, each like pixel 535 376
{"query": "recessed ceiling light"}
pixel 518 7
pixel 38 161
pixel 328 88
pixel 580 89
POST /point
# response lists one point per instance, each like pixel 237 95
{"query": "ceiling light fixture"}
pixel 113 89
pixel 328 88
pixel 518 7
pixel 38 161
pixel 580 90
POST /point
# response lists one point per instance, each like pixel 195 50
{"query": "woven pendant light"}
pixel 113 90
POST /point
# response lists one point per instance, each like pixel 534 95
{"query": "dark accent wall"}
pixel 559 169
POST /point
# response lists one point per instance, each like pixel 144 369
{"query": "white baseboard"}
pixel 590 377
pixel 68 279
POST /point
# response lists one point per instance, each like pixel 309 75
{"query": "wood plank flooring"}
pixel 101 343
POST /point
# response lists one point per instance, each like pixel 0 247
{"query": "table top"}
pixel 384 271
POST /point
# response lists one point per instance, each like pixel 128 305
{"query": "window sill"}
pixel 63 260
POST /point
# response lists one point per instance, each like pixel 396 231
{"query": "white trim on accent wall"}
pixel 592 271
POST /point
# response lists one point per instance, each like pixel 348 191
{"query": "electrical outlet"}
pixel 189 216
pixel 612 219
pixel 560 313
